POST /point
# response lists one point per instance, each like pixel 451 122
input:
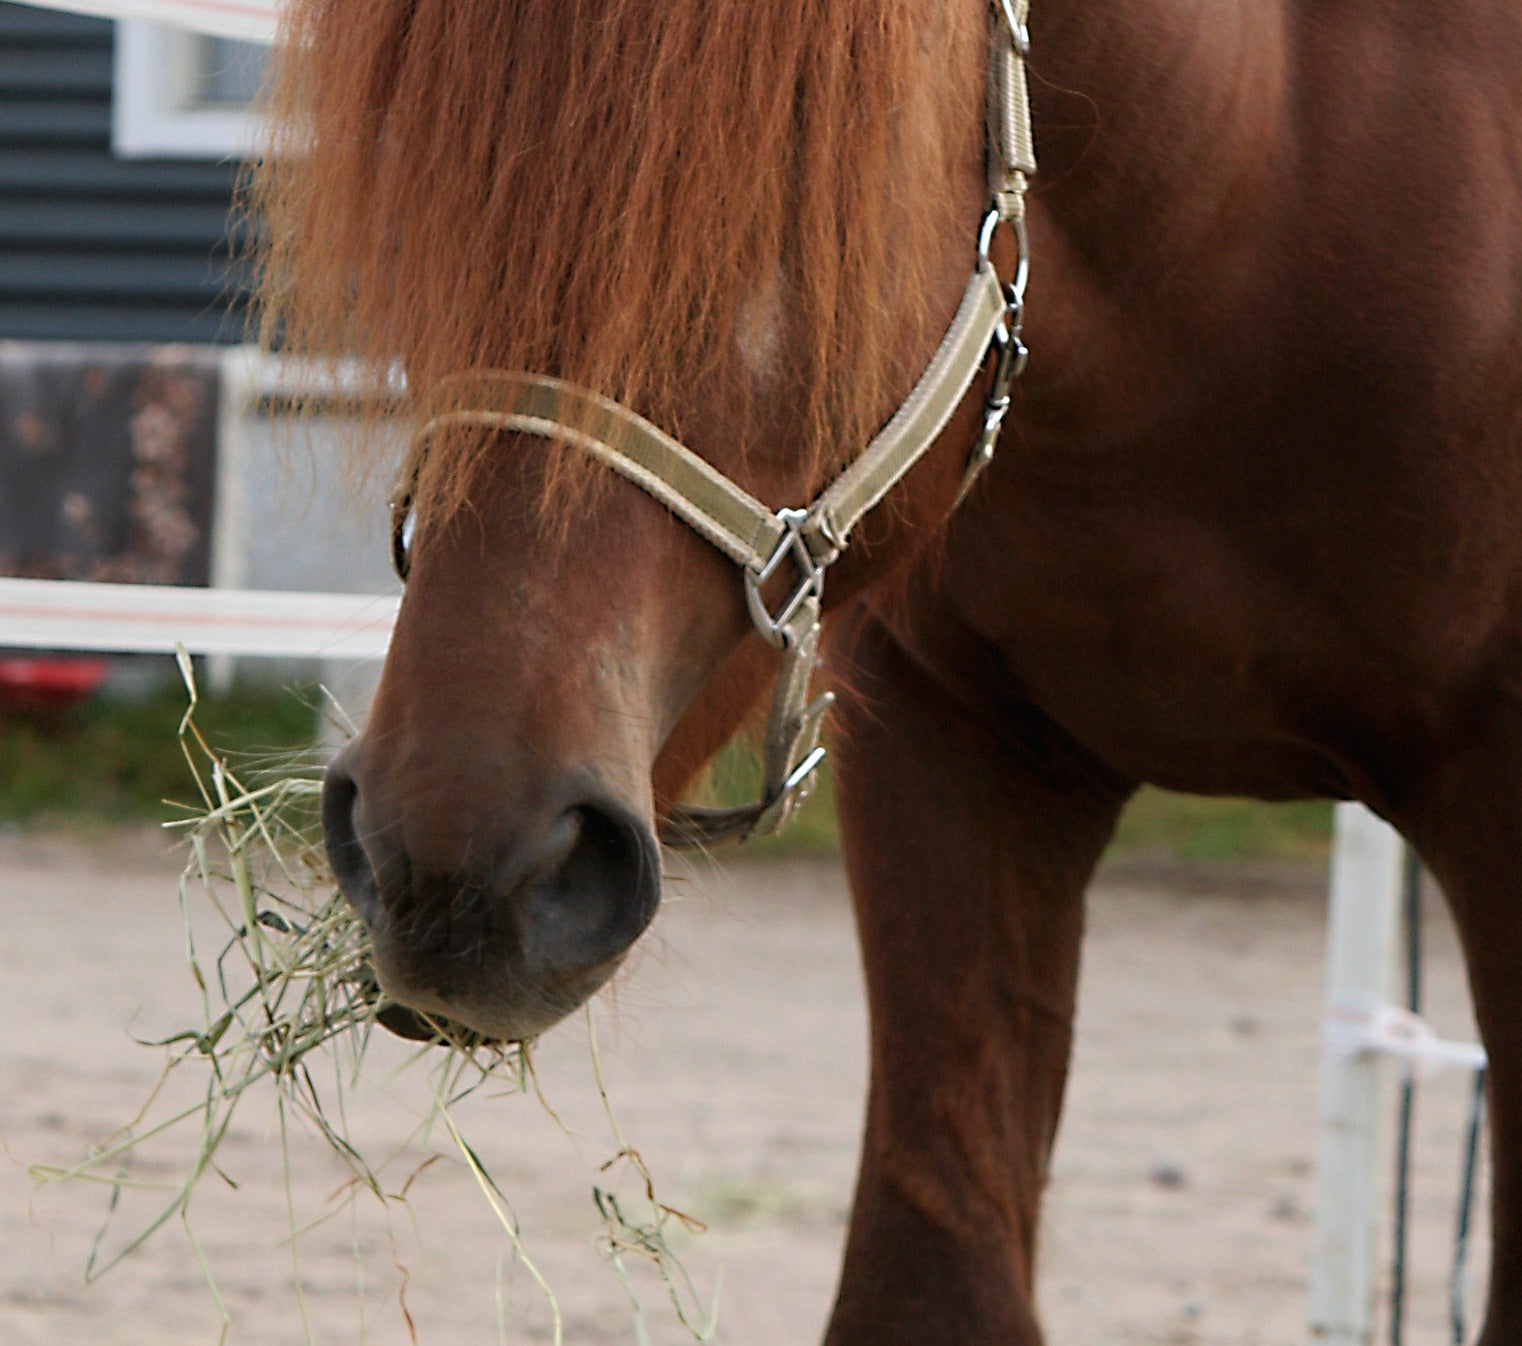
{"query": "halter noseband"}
pixel 757 538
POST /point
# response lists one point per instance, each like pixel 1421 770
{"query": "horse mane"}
pixel 595 188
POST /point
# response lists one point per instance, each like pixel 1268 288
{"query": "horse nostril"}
pixel 346 853
pixel 599 894
pixel 510 943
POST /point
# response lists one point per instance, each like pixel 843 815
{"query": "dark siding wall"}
pixel 93 247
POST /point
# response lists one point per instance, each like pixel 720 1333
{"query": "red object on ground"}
pixel 49 684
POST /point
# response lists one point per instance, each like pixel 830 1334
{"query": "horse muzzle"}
pixel 516 933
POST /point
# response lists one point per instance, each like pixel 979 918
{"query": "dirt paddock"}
pixel 1179 1206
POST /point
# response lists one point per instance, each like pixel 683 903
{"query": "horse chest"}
pixel 1246 622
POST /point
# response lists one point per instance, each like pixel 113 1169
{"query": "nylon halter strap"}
pixel 757 538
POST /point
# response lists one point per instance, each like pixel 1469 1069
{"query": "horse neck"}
pixel 1152 117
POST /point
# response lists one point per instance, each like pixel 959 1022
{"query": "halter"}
pixel 758 539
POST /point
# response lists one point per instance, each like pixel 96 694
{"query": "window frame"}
pixel 151 113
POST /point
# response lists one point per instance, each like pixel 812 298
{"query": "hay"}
pixel 290 999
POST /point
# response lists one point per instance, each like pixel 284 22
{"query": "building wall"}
pixel 94 247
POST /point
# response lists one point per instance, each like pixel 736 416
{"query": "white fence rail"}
pixel 144 618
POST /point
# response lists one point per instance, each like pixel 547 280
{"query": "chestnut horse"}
pixel 1255 527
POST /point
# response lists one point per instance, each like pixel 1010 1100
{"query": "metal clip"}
pixel 808 725
pixel 983 451
pixel 790 798
pixel 797 784
pixel 1009 365
pixel 801 780
pixel 773 625
pixel 787 800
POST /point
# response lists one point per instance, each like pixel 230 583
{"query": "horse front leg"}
pixel 969 846
pixel 1467 825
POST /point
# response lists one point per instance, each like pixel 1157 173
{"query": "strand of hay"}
pixel 290 1000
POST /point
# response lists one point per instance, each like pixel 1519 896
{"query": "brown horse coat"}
pixel 1254 527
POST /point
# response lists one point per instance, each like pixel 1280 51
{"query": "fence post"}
pixel 229 516
pixel 1362 937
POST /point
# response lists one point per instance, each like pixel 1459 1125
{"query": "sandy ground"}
pixel 1179 1208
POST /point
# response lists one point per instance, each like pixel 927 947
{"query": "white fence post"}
pixel 1362 936
pixel 229 516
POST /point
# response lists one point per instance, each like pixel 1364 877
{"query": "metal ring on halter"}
pixel 991 221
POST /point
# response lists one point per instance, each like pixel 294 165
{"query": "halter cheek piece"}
pixel 761 540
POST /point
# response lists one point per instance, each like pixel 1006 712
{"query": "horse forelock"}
pixel 622 193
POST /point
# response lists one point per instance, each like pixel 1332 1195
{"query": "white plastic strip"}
pixel 146 618
pixel 1353 1027
pixel 247 20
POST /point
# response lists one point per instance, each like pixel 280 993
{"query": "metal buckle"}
pixel 792 543
pixel 1019 34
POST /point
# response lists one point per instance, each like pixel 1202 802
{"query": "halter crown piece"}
pixel 758 539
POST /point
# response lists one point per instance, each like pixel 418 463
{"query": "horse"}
pixel 1253 527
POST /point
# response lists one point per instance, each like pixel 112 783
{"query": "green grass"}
pixel 117 761
pixel 1186 827
pixel 1156 823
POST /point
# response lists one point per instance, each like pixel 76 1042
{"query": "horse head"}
pixel 754 239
